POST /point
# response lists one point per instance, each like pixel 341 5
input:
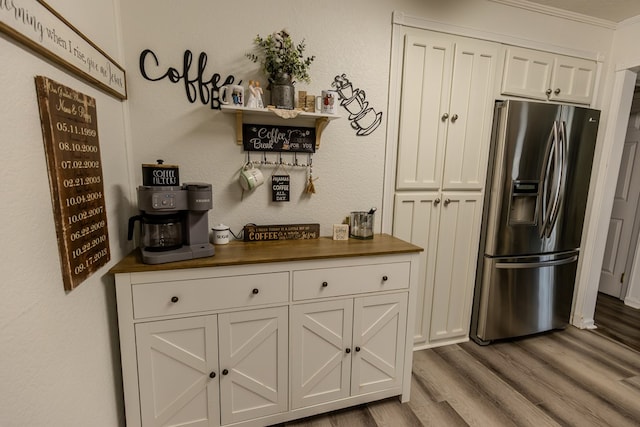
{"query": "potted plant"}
pixel 284 63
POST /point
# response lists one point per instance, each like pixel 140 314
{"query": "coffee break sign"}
pixel 70 134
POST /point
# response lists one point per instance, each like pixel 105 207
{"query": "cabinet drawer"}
pixel 330 282
pixel 189 296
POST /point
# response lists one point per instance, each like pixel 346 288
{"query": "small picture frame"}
pixel 340 231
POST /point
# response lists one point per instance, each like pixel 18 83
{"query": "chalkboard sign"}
pixel 278 138
pixel 70 135
pixel 280 188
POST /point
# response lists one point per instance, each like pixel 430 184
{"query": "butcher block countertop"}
pixel 238 253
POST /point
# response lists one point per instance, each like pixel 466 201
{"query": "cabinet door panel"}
pixel 320 367
pixel 415 219
pixel 379 325
pixel 469 130
pixel 175 358
pixel 253 349
pixel 424 98
pixel 527 73
pixel 455 266
pixel 574 79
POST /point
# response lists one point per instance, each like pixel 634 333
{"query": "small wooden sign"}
pixel 70 135
pixel 280 188
pixel 257 233
pixel 278 138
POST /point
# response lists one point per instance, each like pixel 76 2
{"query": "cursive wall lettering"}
pixel 195 86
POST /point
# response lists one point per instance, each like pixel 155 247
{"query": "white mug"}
pixel 232 94
pixel 328 102
pixel 250 177
pixel 220 234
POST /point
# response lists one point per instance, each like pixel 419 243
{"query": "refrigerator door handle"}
pixel 512 265
pixel 562 162
pixel 550 157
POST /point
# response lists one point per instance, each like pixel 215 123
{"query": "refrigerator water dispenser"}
pixel 523 209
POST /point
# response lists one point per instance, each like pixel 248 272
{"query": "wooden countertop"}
pixel 238 253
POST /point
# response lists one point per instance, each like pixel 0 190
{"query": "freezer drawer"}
pixel 525 295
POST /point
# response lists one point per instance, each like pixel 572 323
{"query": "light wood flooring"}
pixel 565 378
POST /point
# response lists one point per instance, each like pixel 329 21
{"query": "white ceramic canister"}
pixel 220 234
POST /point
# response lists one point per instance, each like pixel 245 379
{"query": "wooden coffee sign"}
pixel 278 138
pixel 70 134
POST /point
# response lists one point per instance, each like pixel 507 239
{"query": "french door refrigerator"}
pixel 536 194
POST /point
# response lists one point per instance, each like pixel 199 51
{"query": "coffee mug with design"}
pixel 328 102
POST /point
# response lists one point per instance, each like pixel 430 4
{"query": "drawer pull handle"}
pixel 357 349
pixel 175 299
pixel 325 284
pixel 385 278
pixel 348 350
pixel 212 375
pixel 225 371
pixel 255 291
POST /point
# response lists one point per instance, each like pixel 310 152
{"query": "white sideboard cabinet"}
pixel 266 332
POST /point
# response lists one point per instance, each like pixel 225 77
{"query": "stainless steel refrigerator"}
pixel 536 194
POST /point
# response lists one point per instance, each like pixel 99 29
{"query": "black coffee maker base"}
pixel 181 254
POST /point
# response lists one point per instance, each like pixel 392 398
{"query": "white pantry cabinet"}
pixel 447 225
pixel 446 106
pixel 545 76
pixel 266 332
pixel 445 112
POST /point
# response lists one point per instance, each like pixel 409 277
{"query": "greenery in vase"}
pixel 279 55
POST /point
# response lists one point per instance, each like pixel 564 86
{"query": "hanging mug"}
pixel 250 177
pixel 328 102
pixel 232 94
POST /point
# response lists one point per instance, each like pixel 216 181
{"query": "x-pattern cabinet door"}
pixel 320 365
pixel 176 360
pixel 379 325
pixel 253 363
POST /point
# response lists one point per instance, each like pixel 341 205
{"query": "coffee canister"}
pixel 160 175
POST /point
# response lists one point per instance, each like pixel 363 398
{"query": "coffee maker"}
pixel 174 222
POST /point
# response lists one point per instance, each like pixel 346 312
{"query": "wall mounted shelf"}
pixel 269 117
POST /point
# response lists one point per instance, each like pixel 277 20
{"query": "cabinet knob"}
pixel 348 350
pixel 175 299
pixel 445 116
pixel 557 91
pixel 454 118
pixel 385 278
pixel 436 201
pixel 255 291
pixel 447 201
pixel 357 349
pixel 325 284
pixel 548 92
pixel 212 374
pixel 225 371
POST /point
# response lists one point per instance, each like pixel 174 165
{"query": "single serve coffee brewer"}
pixel 174 222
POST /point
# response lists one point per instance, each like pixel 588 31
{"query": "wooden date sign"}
pixel 70 135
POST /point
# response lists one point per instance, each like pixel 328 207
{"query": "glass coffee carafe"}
pixel 159 232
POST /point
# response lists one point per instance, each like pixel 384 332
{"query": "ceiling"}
pixel 610 10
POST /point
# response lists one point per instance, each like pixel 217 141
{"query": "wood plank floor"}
pixel 618 321
pixel 565 378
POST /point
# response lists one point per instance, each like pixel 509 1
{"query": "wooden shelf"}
pixel 267 116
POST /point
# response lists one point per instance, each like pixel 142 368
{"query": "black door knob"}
pixel 255 291
pixel 385 278
pixel 212 375
pixel 348 351
pixel 174 299
pixel 225 371
pixel 357 349
pixel 325 284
